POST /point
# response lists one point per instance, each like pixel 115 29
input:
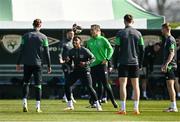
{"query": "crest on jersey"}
pixel 11 42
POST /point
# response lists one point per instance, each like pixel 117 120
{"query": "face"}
pixel 178 42
pixel 76 42
pixel 156 48
pixel 164 31
pixel 94 32
pixel 70 35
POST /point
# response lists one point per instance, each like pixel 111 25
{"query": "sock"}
pixel 173 105
pixel 64 97
pixel 123 105
pixel 70 103
pixel 72 97
pixel 144 94
pixel 136 105
pixel 24 102
pixel 97 103
pixel 105 98
pixel 38 104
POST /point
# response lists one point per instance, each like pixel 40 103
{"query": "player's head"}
pixel 128 19
pixel 77 41
pixel 37 24
pixel 69 34
pixel 166 28
pixel 157 47
pixel 95 30
pixel 178 41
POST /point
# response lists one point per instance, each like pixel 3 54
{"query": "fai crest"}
pixel 11 43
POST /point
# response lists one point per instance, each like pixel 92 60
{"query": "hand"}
pixel 61 61
pixel 18 68
pixel 49 70
pixel 82 64
pixel 110 69
pixel 164 68
pixel 104 62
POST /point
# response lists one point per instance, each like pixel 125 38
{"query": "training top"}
pixel 131 47
pixel 65 47
pixel 34 45
pixel 101 49
pixel 170 44
pixel 81 54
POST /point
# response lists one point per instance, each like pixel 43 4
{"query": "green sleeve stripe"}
pixel 117 41
pixel 45 42
pixel 141 41
pixel 172 47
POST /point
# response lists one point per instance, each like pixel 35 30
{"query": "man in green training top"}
pixel 102 50
pixel 34 46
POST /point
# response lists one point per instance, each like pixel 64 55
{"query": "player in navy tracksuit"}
pixel 81 57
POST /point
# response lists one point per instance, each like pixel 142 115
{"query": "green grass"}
pixel 11 110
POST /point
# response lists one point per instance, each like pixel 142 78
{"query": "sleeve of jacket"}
pixel 141 50
pixel 20 52
pixel 109 49
pixel 46 52
pixel 61 49
pixel 91 57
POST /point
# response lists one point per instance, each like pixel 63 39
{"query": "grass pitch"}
pixel 11 110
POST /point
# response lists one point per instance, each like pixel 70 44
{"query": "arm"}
pixel 60 53
pixel 91 57
pixel 109 49
pixel 170 56
pixel 18 68
pixel 141 52
pixel 47 54
pixel 116 51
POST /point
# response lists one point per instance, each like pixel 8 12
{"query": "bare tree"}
pixel 162 7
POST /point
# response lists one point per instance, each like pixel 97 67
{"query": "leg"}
pixel 170 80
pixel 177 87
pixel 144 86
pixel 86 78
pixel 171 90
pixel 37 72
pixel 99 90
pixel 103 77
pixel 135 84
pixel 94 82
pixel 134 75
pixel 72 78
pixel 70 81
pixel 66 72
pixel 26 83
pixel 123 92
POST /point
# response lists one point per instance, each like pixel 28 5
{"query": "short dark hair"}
pixel 37 23
pixel 68 30
pixel 77 37
pixel 128 18
pixel 96 26
pixel 166 25
pixel 157 44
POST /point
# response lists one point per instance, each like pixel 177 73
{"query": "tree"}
pixel 161 7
